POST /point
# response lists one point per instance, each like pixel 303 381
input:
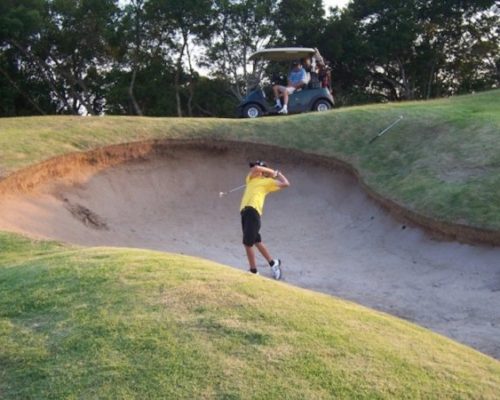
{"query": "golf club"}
pixel 385 130
pixel 222 194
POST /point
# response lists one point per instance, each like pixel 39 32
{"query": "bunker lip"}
pixel 328 227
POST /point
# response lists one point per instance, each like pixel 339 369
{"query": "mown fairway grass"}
pixel 84 323
pixel 115 324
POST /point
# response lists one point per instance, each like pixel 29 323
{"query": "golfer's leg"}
pixel 251 257
pixel 263 250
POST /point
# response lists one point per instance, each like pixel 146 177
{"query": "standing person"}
pixel 296 79
pixel 260 181
pixel 325 76
pixel 318 58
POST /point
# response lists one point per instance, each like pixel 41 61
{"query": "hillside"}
pixel 104 322
pixel 108 323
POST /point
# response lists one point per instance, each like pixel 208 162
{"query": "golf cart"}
pixel 311 97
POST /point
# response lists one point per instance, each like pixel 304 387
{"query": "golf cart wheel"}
pixel 322 105
pixel 252 111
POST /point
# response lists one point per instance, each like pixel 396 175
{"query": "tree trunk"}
pixel 191 73
pixel 138 7
pixel 177 80
pixel 137 109
pixel 429 82
pixel 408 92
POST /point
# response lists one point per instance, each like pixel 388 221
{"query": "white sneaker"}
pixel 253 273
pixel 284 110
pixel 275 268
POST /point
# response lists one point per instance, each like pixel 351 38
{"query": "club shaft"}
pixel 386 129
pixel 236 188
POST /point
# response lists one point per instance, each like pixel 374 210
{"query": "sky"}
pixel 334 3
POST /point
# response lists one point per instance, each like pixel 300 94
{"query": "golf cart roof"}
pixel 282 54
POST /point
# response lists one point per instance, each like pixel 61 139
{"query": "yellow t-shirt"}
pixel 256 192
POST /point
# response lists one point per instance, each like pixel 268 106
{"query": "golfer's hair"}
pixel 258 162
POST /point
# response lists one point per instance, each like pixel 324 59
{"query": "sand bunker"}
pixel 330 235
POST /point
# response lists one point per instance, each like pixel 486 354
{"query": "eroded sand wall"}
pixel 77 166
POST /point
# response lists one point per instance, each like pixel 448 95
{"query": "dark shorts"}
pixel 250 223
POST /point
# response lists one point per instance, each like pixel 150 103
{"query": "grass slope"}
pixel 108 323
pixel 442 160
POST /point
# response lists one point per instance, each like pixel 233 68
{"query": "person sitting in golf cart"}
pixel 296 80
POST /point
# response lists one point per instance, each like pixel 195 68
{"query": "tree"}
pixel 211 98
pixel 23 89
pixel 76 49
pixel 133 47
pixel 154 89
pixel 240 27
pixel 415 47
pixel 470 32
pixel 172 25
pixel 62 43
pixel 300 22
pixel 90 56
pixel 343 45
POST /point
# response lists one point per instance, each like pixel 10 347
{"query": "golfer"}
pixel 259 182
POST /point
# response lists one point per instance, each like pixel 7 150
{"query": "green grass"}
pixel 108 323
pixel 83 323
pixel 442 160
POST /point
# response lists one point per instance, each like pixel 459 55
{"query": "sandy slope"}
pixel 331 237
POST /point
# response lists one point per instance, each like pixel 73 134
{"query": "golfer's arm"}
pixel 255 170
pixel 282 180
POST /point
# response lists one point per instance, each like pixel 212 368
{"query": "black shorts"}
pixel 250 223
